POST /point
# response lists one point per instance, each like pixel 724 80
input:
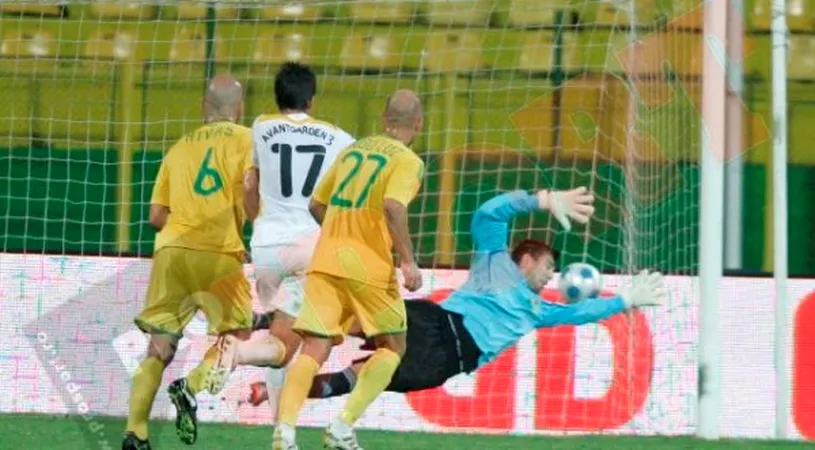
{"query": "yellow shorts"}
pixel 184 281
pixel 330 302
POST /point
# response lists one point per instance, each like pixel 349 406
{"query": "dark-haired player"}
pixel 291 152
pixel 498 304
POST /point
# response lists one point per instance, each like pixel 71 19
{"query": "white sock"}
pixel 286 432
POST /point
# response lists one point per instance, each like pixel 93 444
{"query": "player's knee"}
pixel 281 328
pixel 243 335
pixel 162 347
pixel 316 347
pixel 396 343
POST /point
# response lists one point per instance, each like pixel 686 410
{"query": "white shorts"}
pixel 281 272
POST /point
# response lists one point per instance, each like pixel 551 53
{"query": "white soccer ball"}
pixel 579 281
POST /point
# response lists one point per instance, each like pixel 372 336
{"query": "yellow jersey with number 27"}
pixel 201 181
pixel 354 240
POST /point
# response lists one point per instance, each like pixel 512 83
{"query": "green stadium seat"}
pixel 129 11
pixel 291 11
pixel 369 52
pixel 801 65
pixel 28 52
pixel 279 47
pixel 31 9
pixel 536 55
pixel 451 51
pixel 535 13
pixel 196 10
pixel 373 11
pixel 473 13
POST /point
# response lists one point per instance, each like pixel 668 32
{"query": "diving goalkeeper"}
pixel 498 304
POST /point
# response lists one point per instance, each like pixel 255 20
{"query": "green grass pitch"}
pixel 26 431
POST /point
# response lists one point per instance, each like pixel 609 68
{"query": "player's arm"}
pixel 251 185
pixel 578 313
pixel 490 225
pixel 160 200
pixel 319 198
pixel 402 187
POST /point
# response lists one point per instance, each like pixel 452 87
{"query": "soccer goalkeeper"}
pixel 498 304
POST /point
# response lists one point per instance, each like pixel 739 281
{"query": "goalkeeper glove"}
pixel 646 289
pixel 575 204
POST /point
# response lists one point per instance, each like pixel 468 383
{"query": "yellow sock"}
pixel 144 386
pixel 295 388
pixel 196 378
pixel 374 377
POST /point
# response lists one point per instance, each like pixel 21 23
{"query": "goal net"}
pixel 519 94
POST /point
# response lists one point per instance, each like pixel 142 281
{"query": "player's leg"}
pixel 381 312
pixel 321 314
pixel 222 294
pixel 166 307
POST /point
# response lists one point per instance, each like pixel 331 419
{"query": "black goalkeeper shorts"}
pixel 438 348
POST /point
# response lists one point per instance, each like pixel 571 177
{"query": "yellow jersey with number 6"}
pixel 201 181
pixel 354 240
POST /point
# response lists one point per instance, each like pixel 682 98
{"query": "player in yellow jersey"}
pixel 197 206
pixel 361 203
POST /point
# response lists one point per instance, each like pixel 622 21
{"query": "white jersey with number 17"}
pixel 291 152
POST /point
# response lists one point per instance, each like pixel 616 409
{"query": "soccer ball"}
pixel 579 281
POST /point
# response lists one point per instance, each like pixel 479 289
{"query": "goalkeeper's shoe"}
pixel 186 408
pixel 336 440
pixel 218 375
pixel 131 442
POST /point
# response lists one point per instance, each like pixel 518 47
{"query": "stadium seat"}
pixel 800 15
pixel 475 13
pixel 369 52
pixel 25 44
pixel 654 53
pixel 130 11
pixel 687 14
pixel 451 51
pixel 28 52
pixel 394 11
pixel 801 65
pixel 110 45
pixel 291 11
pixel 189 45
pixel 616 13
pixel 535 13
pixel 279 47
pixel 195 10
pixel 32 10
pixel 536 55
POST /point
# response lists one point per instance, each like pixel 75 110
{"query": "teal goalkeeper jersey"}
pixel 497 305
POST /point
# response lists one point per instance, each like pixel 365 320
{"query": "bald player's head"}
pixel 403 116
pixel 223 99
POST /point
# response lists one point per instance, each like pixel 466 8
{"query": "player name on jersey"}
pixel 319 132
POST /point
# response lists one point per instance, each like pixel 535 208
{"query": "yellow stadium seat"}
pixel 280 47
pixel 801 65
pixel 33 10
pixel 687 14
pixel 532 13
pixel 450 51
pixel 378 11
pixel 800 15
pixel 115 10
pixel 369 52
pixel 654 53
pixel 25 44
pixel 536 55
pixel 475 13
pixel 298 11
pixel 111 45
pixel 190 45
pixel 614 12
pixel 538 52
pixel 196 10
